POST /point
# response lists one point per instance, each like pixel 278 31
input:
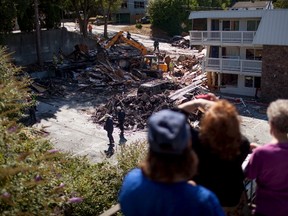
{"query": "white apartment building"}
pixel 242 45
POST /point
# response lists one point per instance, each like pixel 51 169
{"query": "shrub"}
pixel 138 25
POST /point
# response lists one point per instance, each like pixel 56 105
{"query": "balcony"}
pixel 233 66
pixel 234 38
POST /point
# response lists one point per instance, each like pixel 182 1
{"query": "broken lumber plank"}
pixel 38 87
pixel 185 90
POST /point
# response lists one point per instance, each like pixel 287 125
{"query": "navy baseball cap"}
pixel 168 132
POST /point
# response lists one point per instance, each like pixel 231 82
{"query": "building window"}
pixel 138 4
pixel 229 80
pixel 234 25
pixel 252 25
pixel 124 5
pixel 215 25
pixel 226 25
pixel 249 81
pixel 230 25
pixel 254 54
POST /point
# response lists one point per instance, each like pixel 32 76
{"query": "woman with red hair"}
pixel 221 150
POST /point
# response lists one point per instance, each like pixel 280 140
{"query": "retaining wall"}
pixel 23 45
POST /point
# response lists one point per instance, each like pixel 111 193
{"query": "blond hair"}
pixel 277 113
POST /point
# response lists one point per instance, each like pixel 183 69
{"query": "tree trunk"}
pixel 83 23
pixel 37 29
pixel 105 27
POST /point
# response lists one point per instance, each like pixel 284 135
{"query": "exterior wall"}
pixel 240 89
pixel 231 52
pixel 135 13
pixel 274 73
pixel 23 45
pixel 242 23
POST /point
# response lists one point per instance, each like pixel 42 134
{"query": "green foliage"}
pixel 281 4
pixel 13 89
pixel 83 10
pixel 131 156
pixel 52 13
pixel 138 25
pixel 38 180
pixel 172 15
pixel 25 16
pixel 107 7
pixel 169 15
pixel 7 14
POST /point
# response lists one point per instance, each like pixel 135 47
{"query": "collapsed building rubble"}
pixel 137 108
pixel 113 69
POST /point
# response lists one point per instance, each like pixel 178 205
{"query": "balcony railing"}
pixel 237 66
pixel 222 37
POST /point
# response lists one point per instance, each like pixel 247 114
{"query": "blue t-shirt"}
pixel 141 196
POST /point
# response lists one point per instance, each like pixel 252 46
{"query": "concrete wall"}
pixel 23 45
pixel 274 73
pixel 240 89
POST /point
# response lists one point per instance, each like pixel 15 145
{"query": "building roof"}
pixel 226 14
pixel 251 5
pixel 272 29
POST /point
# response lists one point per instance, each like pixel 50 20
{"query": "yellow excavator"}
pixel 119 37
pixel 150 62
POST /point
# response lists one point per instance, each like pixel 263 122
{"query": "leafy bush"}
pixel 138 25
pixel 36 179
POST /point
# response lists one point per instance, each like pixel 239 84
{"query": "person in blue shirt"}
pixel 161 185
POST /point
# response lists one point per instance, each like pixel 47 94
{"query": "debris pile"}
pixel 137 108
pixel 119 68
pixel 181 42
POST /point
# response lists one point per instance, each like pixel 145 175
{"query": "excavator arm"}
pixel 113 40
pixel 120 37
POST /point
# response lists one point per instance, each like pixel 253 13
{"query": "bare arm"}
pixel 193 105
pixel 254 146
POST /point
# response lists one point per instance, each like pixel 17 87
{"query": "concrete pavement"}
pixel 71 130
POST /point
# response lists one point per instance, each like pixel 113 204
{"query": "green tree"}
pixel 51 11
pixel 169 15
pixel 7 15
pixel 84 9
pixel 108 6
pixel 280 4
pixel 172 15
pixel 25 15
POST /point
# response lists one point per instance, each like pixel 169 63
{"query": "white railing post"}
pixel 202 36
pixel 221 64
pixel 221 36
